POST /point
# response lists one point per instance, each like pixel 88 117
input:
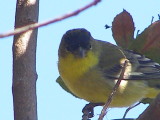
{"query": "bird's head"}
pixel 76 42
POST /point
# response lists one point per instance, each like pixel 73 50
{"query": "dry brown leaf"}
pixel 123 29
pixel 148 42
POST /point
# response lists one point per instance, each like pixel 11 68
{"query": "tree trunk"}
pixel 24 62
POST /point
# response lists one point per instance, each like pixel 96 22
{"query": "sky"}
pixel 52 101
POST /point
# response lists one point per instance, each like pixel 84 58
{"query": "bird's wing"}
pixel 146 69
pixel 142 68
pixel 110 60
pixel 62 84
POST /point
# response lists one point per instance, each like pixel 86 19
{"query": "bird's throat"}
pixel 71 68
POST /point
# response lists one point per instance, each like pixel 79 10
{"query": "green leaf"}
pixel 146 100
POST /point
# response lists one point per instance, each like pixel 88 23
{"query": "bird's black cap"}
pixel 76 38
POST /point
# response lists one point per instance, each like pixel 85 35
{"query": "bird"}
pixel 89 69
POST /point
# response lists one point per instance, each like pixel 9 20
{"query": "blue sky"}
pixel 53 102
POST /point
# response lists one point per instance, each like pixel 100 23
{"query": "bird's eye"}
pixel 90 46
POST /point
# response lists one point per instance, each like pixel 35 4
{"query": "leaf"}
pixel 147 100
pixel 148 42
pixel 123 29
pixel 62 84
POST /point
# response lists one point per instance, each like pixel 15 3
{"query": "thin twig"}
pixel 152 19
pixel 37 25
pixel 128 109
pixel 137 33
pixel 159 16
pixel 104 110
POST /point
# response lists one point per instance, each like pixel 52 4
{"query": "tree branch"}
pixel 104 110
pixel 37 25
pixel 24 62
pixel 152 112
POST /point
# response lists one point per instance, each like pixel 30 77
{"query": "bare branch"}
pixel 104 110
pixel 129 108
pixel 24 62
pixel 37 25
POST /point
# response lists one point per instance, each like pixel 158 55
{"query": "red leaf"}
pixel 148 42
pixel 123 29
pixel 153 37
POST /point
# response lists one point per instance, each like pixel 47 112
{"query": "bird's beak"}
pixel 81 53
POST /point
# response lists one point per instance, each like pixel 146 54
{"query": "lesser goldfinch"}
pixel 89 69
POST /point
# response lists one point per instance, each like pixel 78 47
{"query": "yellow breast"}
pixel 72 68
pixel 88 83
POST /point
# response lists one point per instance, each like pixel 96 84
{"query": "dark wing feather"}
pixel 110 56
pixel 143 68
pixel 147 69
